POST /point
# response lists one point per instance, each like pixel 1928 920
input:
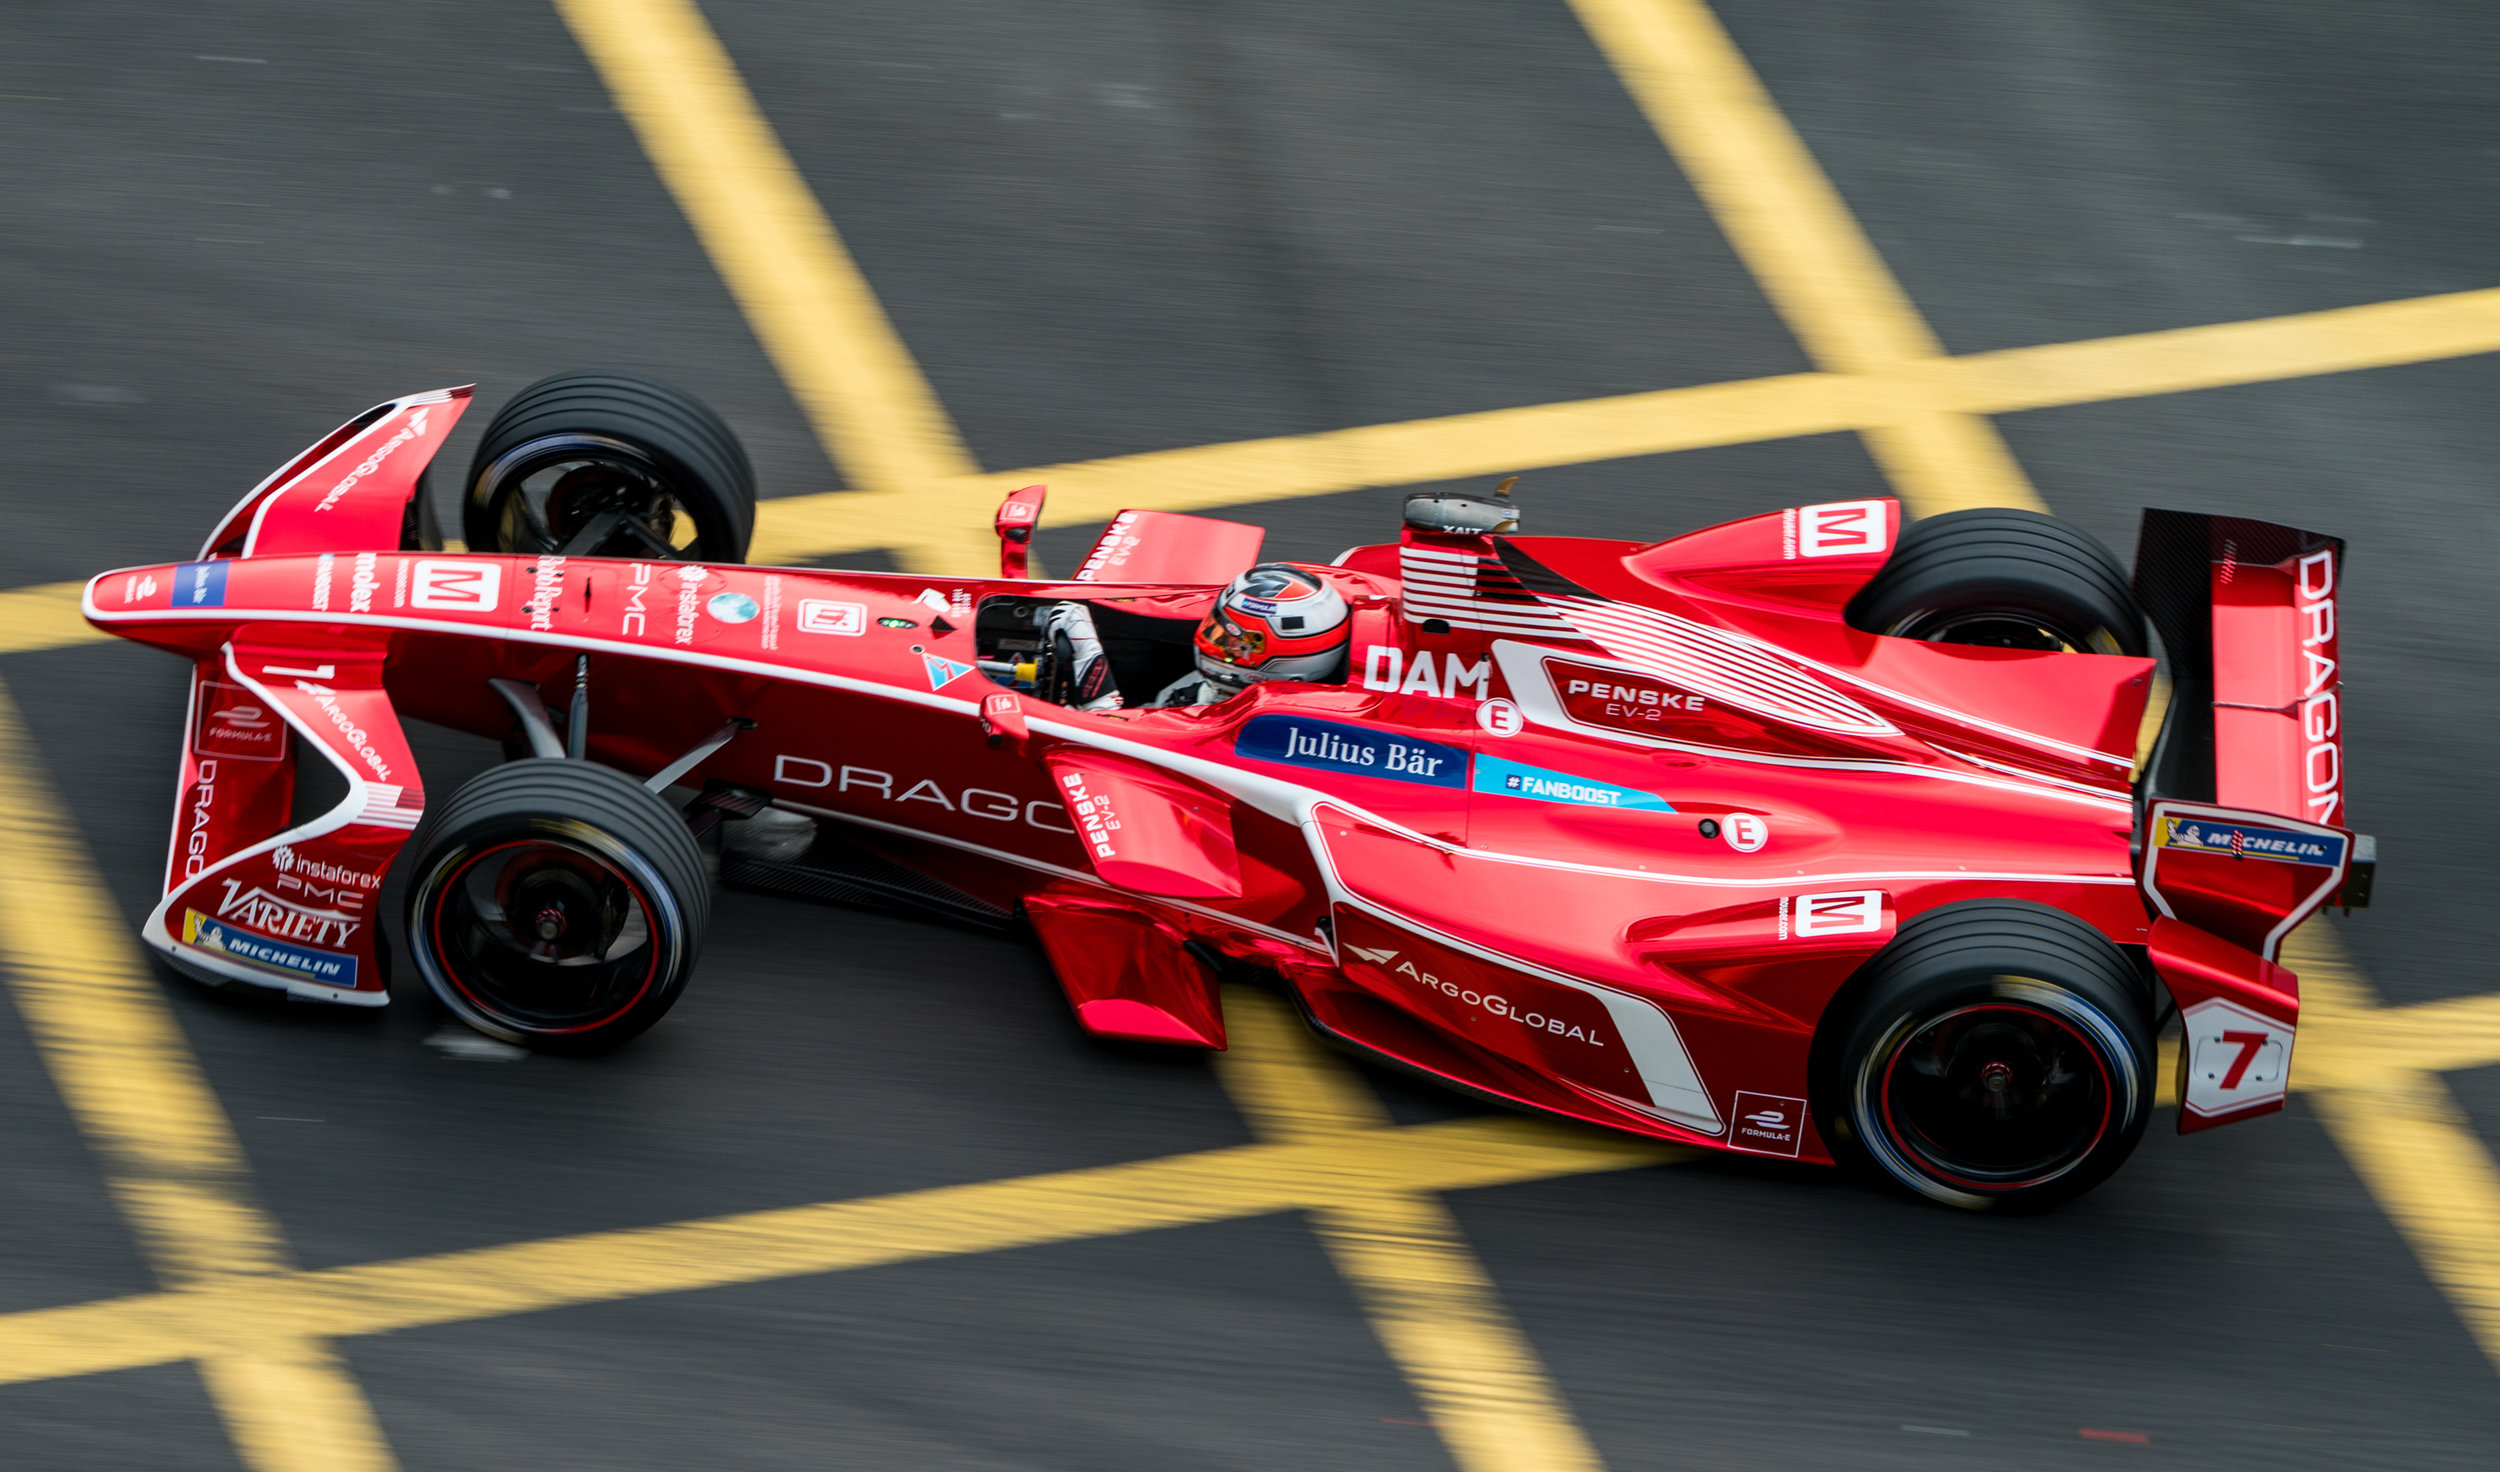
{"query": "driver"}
pixel 1273 622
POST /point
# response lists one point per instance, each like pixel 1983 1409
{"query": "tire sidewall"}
pixel 672 933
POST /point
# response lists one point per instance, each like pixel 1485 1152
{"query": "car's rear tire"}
pixel 665 469
pixel 2003 578
pixel 1999 1057
pixel 557 904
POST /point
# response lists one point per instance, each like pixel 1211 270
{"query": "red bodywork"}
pixel 1598 827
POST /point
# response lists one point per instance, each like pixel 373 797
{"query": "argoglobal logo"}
pixel 373 462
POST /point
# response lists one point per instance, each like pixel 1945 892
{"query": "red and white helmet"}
pixel 1274 622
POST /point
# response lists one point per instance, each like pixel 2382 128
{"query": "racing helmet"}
pixel 1274 622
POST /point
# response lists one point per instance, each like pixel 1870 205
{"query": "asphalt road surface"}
pixel 1105 228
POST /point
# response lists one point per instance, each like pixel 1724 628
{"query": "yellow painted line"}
pixel 1794 233
pixel 802 294
pixel 764 1246
pixel 171 1159
pixel 2404 1132
pixel 1434 1307
pixel 43 617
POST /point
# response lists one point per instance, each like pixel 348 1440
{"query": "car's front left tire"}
pixel 557 904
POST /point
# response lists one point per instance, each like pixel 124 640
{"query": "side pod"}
pixel 246 898
pixel 1126 973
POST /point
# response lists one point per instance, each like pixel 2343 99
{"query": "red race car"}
pixel 1813 835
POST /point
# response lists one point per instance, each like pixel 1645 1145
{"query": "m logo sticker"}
pixel 1841 529
pixel 1852 913
pixel 455 587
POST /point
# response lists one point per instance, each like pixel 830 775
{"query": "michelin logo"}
pixel 302 962
pixel 2282 845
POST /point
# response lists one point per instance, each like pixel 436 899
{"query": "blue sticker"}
pixel 219 939
pixel 2240 841
pixel 942 672
pixel 200 585
pixel 1512 779
pixel 732 608
pixel 1357 750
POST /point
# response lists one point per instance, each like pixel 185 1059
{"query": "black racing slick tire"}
pixel 557 904
pixel 1999 1058
pixel 610 465
pixel 2003 578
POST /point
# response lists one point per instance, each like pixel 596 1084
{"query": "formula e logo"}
pixel 824 616
pixel 1837 529
pixel 460 587
pixel 1768 1124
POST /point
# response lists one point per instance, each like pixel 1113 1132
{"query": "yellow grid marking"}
pixel 258 1328
pixel 170 1156
pixel 1434 1307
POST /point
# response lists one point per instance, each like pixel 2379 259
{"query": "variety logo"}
pixel 373 462
pixel 200 585
pixel 972 802
pixel 1333 747
pixel 546 586
pixel 233 723
pixel 1447 679
pixel 824 616
pixel 457 587
pixel 732 608
pixel 1853 912
pixel 1768 1124
pixel 256 909
pixel 2242 841
pixel 1512 779
pixel 1834 529
pixel 220 939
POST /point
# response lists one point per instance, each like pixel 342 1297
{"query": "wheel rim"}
pixel 544 936
pixel 1996 1096
pixel 543 495
pixel 2005 628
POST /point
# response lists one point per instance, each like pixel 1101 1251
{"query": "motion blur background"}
pixel 2226 256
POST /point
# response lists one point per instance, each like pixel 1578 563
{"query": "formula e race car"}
pixel 1816 835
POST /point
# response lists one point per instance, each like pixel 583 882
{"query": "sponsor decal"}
pixel 361 583
pixel 1744 832
pixel 1852 912
pixel 456 587
pixel 1388 670
pixel 931 598
pixel 399 585
pixel 689 599
pixel 323 571
pixel 2245 841
pixel 825 616
pixel 1096 819
pixel 973 802
pixel 141 586
pixel 1500 717
pixel 636 621
pixel 233 723
pixel 941 671
pixel 1110 553
pixel 2234 1058
pixel 373 462
pixel 1584 1030
pixel 235 944
pixel 1618 700
pixel 200 585
pixel 1514 779
pixel 732 608
pixel 546 586
pixel 1768 1124
pixel 1374 954
pixel 354 735
pixel 259 911
pixel 2322 762
pixel 1833 529
pixel 771 632
pixel 203 800
pixel 1331 746
pixel 287 861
